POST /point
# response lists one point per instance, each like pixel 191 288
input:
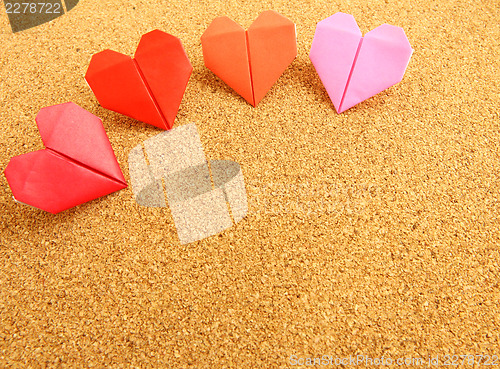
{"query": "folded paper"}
pixel 149 87
pixel 77 165
pixel 354 68
pixel 250 62
pixel 204 199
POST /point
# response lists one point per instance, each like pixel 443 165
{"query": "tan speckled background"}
pixel 374 232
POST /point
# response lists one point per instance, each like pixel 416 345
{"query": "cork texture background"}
pixel 374 232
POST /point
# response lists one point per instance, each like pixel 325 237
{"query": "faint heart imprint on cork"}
pixel 204 197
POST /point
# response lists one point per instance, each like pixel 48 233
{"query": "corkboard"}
pixel 374 232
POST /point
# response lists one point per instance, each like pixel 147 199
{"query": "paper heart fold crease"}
pixel 250 62
pixel 352 67
pixel 77 165
pixel 149 87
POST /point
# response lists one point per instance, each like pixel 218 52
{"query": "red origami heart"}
pixel 250 62
pixel 149 87
pixel 78 164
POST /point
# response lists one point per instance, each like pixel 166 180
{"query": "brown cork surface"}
pixel 375 232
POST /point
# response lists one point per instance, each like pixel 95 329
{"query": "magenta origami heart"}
pixel 354 68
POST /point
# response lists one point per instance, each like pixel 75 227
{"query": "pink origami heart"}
pixel 354 68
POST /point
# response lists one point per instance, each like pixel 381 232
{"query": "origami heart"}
pixel 354 68
pixel 250 62
pixel 78 164
pixel 148 88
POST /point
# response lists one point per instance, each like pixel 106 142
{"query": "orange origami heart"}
pixel 250 61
